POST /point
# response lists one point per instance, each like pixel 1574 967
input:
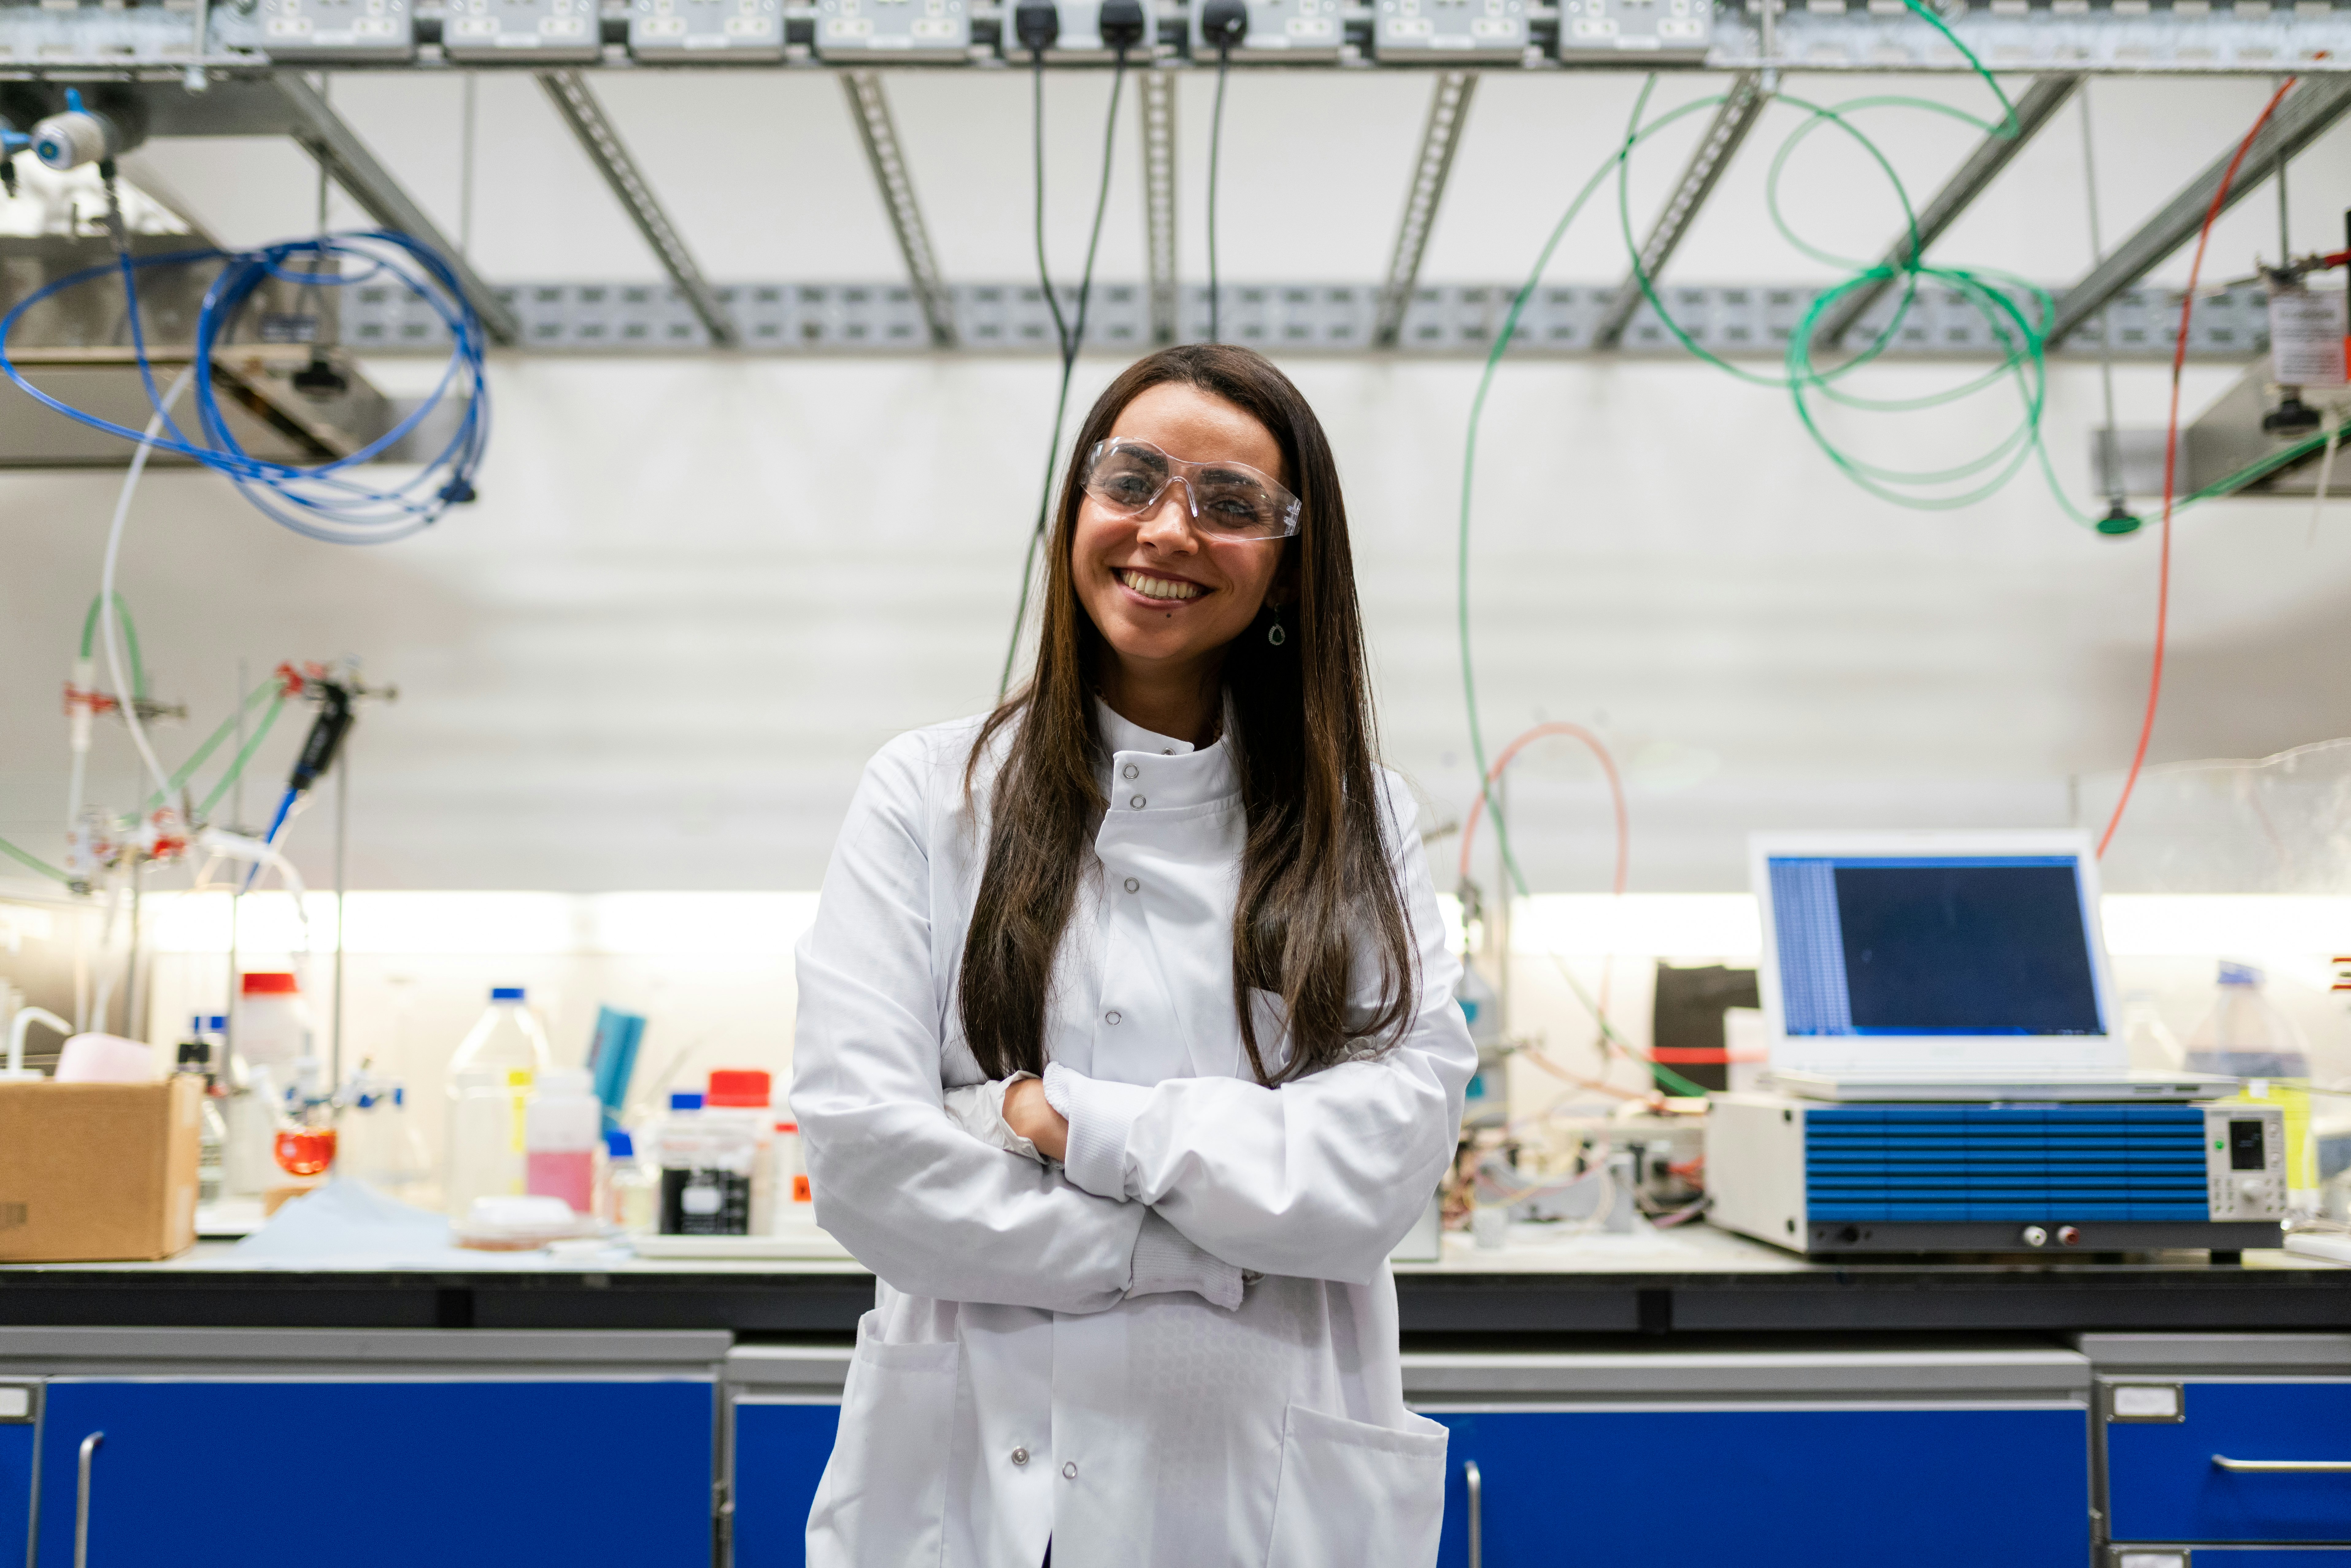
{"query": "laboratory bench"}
pixel 1683 1398
pixel 1668 1285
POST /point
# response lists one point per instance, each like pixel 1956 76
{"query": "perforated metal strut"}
pixel 585 115
pixel 1158 110
pixel 1448 107
pixel 1732 121
pixel 879 133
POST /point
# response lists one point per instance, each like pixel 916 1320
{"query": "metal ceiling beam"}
pixel 2305 115
pixel 1157 105
pixel 1448 109
pixel 870 109
pixel 2038 106
pixel 1733 119
pixel 347 161
pixel 580 109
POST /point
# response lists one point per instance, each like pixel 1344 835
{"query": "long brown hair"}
pixel 1316 884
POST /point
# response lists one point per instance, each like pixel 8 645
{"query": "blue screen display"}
pixel 1959 944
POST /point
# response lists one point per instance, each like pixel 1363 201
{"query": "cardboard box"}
pixel 98 1171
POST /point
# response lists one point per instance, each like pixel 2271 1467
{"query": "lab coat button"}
pixel 1110 1017
pixel 1136 803
pixel 1069 1471
pixel 1020 1456
pixel 1128 771
pixel 1133 885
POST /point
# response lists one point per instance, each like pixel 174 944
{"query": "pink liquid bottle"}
pixel 560 1133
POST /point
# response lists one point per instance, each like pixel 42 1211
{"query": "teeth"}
pixel 1159 587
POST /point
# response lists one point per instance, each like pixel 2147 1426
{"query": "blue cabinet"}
pixel 394 1472
pixel 779 1449
pixel 1768 1488
pixel 2165 1480
pixel 17 1435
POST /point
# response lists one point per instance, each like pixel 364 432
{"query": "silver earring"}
pixel 1274 634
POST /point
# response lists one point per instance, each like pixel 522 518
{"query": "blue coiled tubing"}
pixel 327 501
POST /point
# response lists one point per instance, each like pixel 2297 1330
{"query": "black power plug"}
pixel 1036 24
pixel 1121 24
pixel 1224 24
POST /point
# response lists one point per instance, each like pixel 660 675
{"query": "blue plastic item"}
pixel 612 1059
pixel 684 1100
pixel 507 994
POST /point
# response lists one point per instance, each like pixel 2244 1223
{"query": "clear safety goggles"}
pixel 1130 479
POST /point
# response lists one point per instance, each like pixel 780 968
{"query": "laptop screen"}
pixel 1933 944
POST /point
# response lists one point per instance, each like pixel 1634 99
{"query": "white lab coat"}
pixel 1007 1390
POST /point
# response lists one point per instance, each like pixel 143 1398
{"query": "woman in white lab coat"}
pixel 1127 1050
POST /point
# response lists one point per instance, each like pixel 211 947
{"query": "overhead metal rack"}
pixel 222 70
pixel 59 41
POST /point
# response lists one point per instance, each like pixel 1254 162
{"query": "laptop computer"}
pixel 1943 966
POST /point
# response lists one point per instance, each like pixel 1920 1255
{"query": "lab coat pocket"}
pixel 883 1500
pixel 1354 1495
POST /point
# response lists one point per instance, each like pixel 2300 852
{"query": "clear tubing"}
pixel 244 755
pixel 32 861
pixel 130 636
pixel 2325 474
pixel 109 602
pixel 212 742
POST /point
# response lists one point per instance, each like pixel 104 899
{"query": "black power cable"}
pixel 1223 22
pixel 1121 29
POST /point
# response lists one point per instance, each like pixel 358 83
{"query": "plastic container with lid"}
pixel 738 1100
pixel 507 1038
pixel 561 1132
pixel 707 1159
pixel 272 1024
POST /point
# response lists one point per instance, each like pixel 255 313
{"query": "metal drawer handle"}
pixel 1477 1485
pixel 81 1499
pixel 2326 1466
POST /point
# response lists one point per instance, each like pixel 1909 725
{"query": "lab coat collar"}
pixel 1150 772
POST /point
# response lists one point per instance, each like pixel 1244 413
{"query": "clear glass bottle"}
pixel 2146 1037
pixel 2247 1035
pixel 212 1138
pixel 628 1196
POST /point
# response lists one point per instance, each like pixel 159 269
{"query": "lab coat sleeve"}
pixel 927 1206
pixel 1319 1177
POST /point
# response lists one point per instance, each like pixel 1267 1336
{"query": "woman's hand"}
pixel 1028 1113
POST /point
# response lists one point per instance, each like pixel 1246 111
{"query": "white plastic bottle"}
pixel 273 1023
pixel 560 1130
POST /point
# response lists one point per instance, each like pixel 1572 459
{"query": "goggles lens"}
pixel 1227 500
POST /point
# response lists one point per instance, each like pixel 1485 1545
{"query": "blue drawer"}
pixel 16 1439
pixel 396 1473
pixel 780 1449
pixel 2162 1483
pixel 1774 1487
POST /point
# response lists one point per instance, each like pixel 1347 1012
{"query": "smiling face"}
pixel 1165 598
